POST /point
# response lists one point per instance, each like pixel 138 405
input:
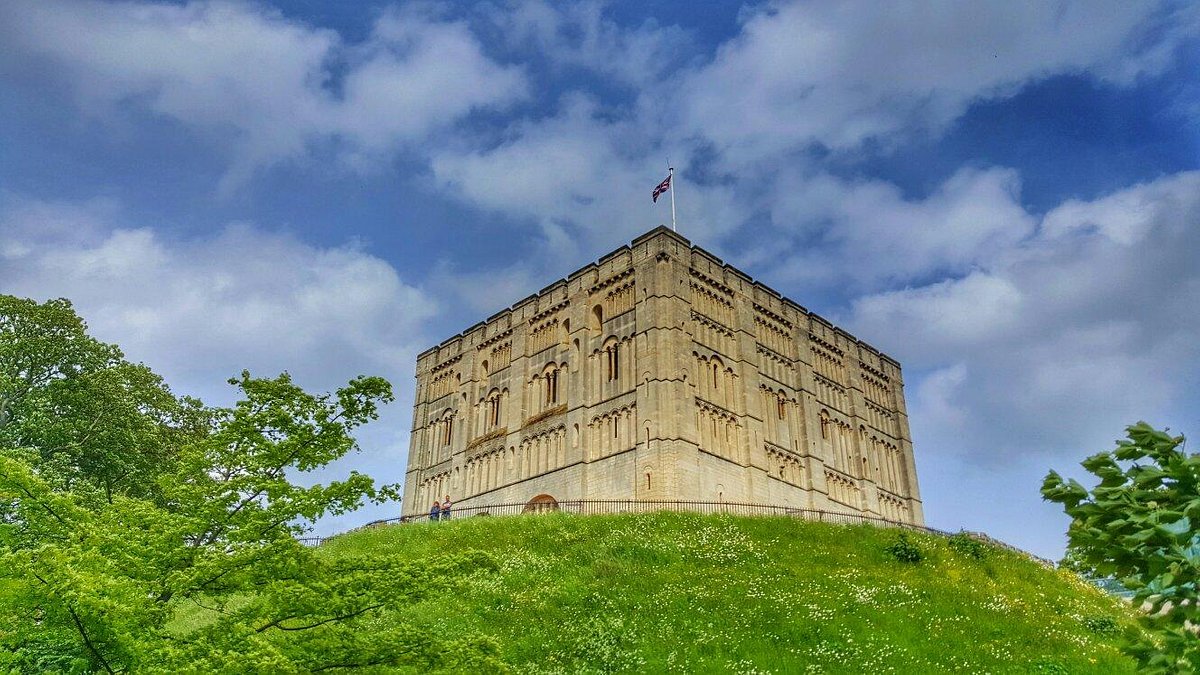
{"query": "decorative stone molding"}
pixel 546 414
pixel 491 435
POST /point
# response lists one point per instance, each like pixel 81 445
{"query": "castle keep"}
pixel 661 373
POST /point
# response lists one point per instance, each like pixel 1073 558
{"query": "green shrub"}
pixel 1101 625
pixel 1050 668
pixel 905 550
pixel 967 545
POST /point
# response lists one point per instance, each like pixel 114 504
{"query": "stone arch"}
pixel 492 404
pixel 612 353
pixel 542 503
pixel 597 318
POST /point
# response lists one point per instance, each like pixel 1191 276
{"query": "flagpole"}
pixel 671 175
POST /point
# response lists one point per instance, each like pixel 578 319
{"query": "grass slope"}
pixel 689 593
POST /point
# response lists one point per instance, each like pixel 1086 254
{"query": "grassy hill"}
pixel 689 593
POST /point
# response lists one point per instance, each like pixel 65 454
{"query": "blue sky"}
pixel 1003 196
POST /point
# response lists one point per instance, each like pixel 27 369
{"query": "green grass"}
pixel 690 593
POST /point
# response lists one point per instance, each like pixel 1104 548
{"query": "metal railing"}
pixel 617 506
pixel 589 507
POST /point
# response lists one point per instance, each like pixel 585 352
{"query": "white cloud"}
pixel 262 83
pixel 1129 216
pixel 579 35
pixel 585 179
pixel 870 233
pixel 201 310
pixel 835 74
pixel 838 73
pixel 1081 329
pixel 950 312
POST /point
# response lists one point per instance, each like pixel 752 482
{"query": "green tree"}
pixel 194 566
pixel 87 413
pixel 1139 526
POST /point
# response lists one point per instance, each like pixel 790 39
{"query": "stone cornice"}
pixel 494 339
pixel 546 414
pixel 490 436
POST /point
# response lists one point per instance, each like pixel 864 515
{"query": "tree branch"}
pixel 39 502
pixel 364 664
pixel 87 640
pixel 278 623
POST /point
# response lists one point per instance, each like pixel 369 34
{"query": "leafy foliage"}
pixel 85 413
pixel 905 550
pixel 1139 526
pixel 123 505
pixel 967 545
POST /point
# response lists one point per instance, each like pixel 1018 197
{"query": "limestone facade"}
pixel 661 373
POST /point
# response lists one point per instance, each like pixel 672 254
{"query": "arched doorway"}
pixel 542 503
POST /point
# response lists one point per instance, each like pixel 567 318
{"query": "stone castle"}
pixel 661 373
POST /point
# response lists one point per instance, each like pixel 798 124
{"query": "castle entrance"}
pixel 542 503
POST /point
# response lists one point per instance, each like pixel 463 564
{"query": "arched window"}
pixel 493 409
pixel 597 318
pixel 612 360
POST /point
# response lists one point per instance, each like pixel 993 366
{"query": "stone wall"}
pixel 659 372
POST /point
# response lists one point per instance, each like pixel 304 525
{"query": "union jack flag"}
pixel 662 187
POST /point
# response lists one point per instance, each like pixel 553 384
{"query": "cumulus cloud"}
pixel 797 74
pixel 580 35
pixel 839 73
pixel 1076 331
pixel 201 310
pixel 871 234
pixel 581 176
pixel 266 85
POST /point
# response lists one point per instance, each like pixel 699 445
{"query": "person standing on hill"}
pixel 446 508
pixel 434 511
